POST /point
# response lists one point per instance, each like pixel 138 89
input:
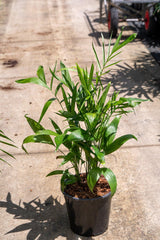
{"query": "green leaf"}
pixel 102 100
pixel 37 139
pixel 74 99
pixel 40 74
pixel 57 88
pixel 111 130
pixel 4 136
pixel 33 80
pixel 9 144
pixel 7 153
pixel 117 46
pixel 79 135
pixel 111 178
pixel 109 47
pixel 55 173
pixel 132 102
pixel 1 159
pixel 91 76
pixel 95 174
pixel 93 177
pixel 67 179
pixel 99 155
pixel 54 70
pixel 36 126
pixel 95 53
pixel 59 140
pixel 59 79
pixel 111 65
pixel 45 108
pixel 91 119
pixel 103 49
pixel 82 80
pixel 66 100
pixel 56 127
pixel 66 76
pixel 47 132
pixel 118 143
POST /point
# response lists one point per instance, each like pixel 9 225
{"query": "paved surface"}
pixel 34 33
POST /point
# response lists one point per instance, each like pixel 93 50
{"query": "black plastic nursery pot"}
pixel 88 217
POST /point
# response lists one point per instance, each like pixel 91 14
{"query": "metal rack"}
pixel 132 10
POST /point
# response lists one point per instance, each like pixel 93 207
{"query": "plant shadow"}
pixel 47 221
pixel 140 79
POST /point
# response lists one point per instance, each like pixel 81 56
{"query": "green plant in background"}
pixel 4 140
pixel 92 118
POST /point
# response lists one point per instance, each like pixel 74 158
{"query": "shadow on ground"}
pixel 138 80
pixel 47 221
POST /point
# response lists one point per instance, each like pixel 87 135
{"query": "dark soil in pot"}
pixel 81 189
pixel 88 212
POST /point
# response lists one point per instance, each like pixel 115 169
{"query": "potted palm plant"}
pixel 92 119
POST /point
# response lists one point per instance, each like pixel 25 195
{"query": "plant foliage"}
pixel 92 117
pixel 5 141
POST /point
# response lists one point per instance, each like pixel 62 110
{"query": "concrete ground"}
pixel 34 33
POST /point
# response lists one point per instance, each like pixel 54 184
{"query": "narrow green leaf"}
pixel 56 127
pixel 58 78
pixel 40 74
pixel 91 120
pixel 36 126
pixel 132 102
pixel 67 179
pixel 78 135
pixel 54 70
pixel 9 154
pixel 103 50
pixel 93 177
pixel 118 143
pixel 73 103
pixel 128 40
pixel 45 108
pixel 81 78
pixel 109 47
pixel 117 46
pixel 66 76
pixel 9 144
pixel 57 88
pixel 100 155
pixel 91 76
pixel 113 56
pixel 68 107
pixel 1 159
pixel 95 53
pixel 33 80
pixel 47 132
pixel 102 100
pixel 37 139
pixel 111 130
pixel 59 140
pixel 112 64
pixel 4 136
pixel 55 173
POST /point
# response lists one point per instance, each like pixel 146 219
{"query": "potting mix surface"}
pixel 81 189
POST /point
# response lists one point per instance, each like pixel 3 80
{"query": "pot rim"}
pixel 87 199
